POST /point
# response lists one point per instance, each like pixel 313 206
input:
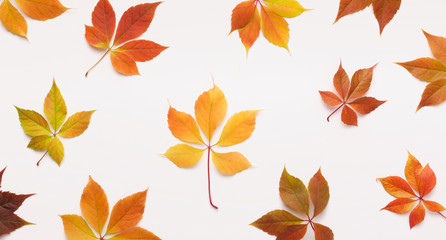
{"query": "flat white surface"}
pixel 120 150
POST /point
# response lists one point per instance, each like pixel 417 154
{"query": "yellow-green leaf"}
pixel 294 193
pixel 56 150
pixel 40 143
pixel 76 124
pixel 12 19
pixel 33 123
pixel 76 228
pixel 54 107
pixel 286 8
pixel 184 155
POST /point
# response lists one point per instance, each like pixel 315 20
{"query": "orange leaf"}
pixel 322 232
pixel 230 163
pixel 41 9
pixel 417 215
pixel 365 105
pixel 319 192
pixel 397 187
pixel 434 93
pixel 293 232
pixel 274 27
pixel 400 205
pixel 94 205
pixel 76 228
pixel 123 63
pixel 251 31
pixel 104 20
pixel 12 19
pixel 210 109
pixel 242 14
pixel 341 81
pixel 184 155
pixel 437 45
pixel 95 37
pixel 135 233
pixel 412 172
pixel 427 181
pixel 347 7
pixel 361 81
pixel 384 11
pixel 238 128
pixel 275 221
pixel 330 98
pixel 127 212
pixel 433 206
pixel 425 69
pixel 141 50
pixel 294 193
pixel 183 126
pixel 134 22
pixel 348 116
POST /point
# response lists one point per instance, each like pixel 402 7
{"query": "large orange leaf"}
pixel 12 19
pixel 133 23
pixel 350 95
pixel 423 180
pixel 425 69
pixel 384 10
pixel 45 138
pixel 121 226
pixel 295 195
pixel 434 93
pixel 210 110
pixel 250 16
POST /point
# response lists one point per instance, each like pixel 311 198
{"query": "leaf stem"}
pixel 328 118
pixel 42 158
pixel 105 54
pixel 442 214
pixel 209 178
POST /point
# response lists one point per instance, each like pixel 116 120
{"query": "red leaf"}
pixel 400 205
pixel 417 215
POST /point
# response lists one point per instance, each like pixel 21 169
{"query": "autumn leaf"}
pixel 134 22
pixel 124 216
pixel 419 180
pixel 431 70
pixel 249 17
pixel 210 110
pixel 384 10
pixel 9 203
pixel 350 97
pixel 293 192
pixel 41 10
pixel 45 133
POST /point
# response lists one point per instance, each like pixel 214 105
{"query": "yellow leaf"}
pixel 40 142
pixel 76 124
pixel 238 128
pixel 56 150
pixel 127 212
pixel 54 107
pixel 230 163
pixel 274 28
pixel 184 155
pixel 210 110
pixel 12 19
pixel 286 8
pixel 41 9
pixel 94 205
pixel 183 126
pixel 33 123
pixel 76 228
pixel 135 233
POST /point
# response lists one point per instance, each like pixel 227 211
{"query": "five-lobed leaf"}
pixel 124 217
pixel 133 23
pixel 41 10
pixel 45 137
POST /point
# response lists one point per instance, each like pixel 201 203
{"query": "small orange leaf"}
pixel 412 172
pixel 348 116
pixel 42 9
pixel 437 45
pixel 183 126
pixel 425 69
pixel 417 215
pixel 274 28
pixel 242 14
pixel 94 205
pixel 400 205
pixel 230 163
pixel 12 19
pixel 76 228
pixel 427 181
pixel 322 232
pixel 397 187
pixel 434 93
pixel 330 98
pixel 123 63
pixel 319 192
pixel 104 20
pixel 184 155
pixel 135 233
pixel 250 32
pixel 341 81
pixel 347 7
pixel 275 221
pixel 433 206
pixel 238 128
pixel 294 193
pixel 384 11
pixel 361 81
pixel 141 50
pixel 365 105
pixel 293 232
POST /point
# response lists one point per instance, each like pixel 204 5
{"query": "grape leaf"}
pixel 210 110
pixel 249 17
pixel 45 137
pixel 134 22
pixel 9 203
pixel 384 10
pixel 419 180
pixel 283 224
pixel 124 216
pixel 41 10
pixel 351 95
pixel 431 70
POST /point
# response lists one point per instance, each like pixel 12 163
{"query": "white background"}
pixel 121 149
